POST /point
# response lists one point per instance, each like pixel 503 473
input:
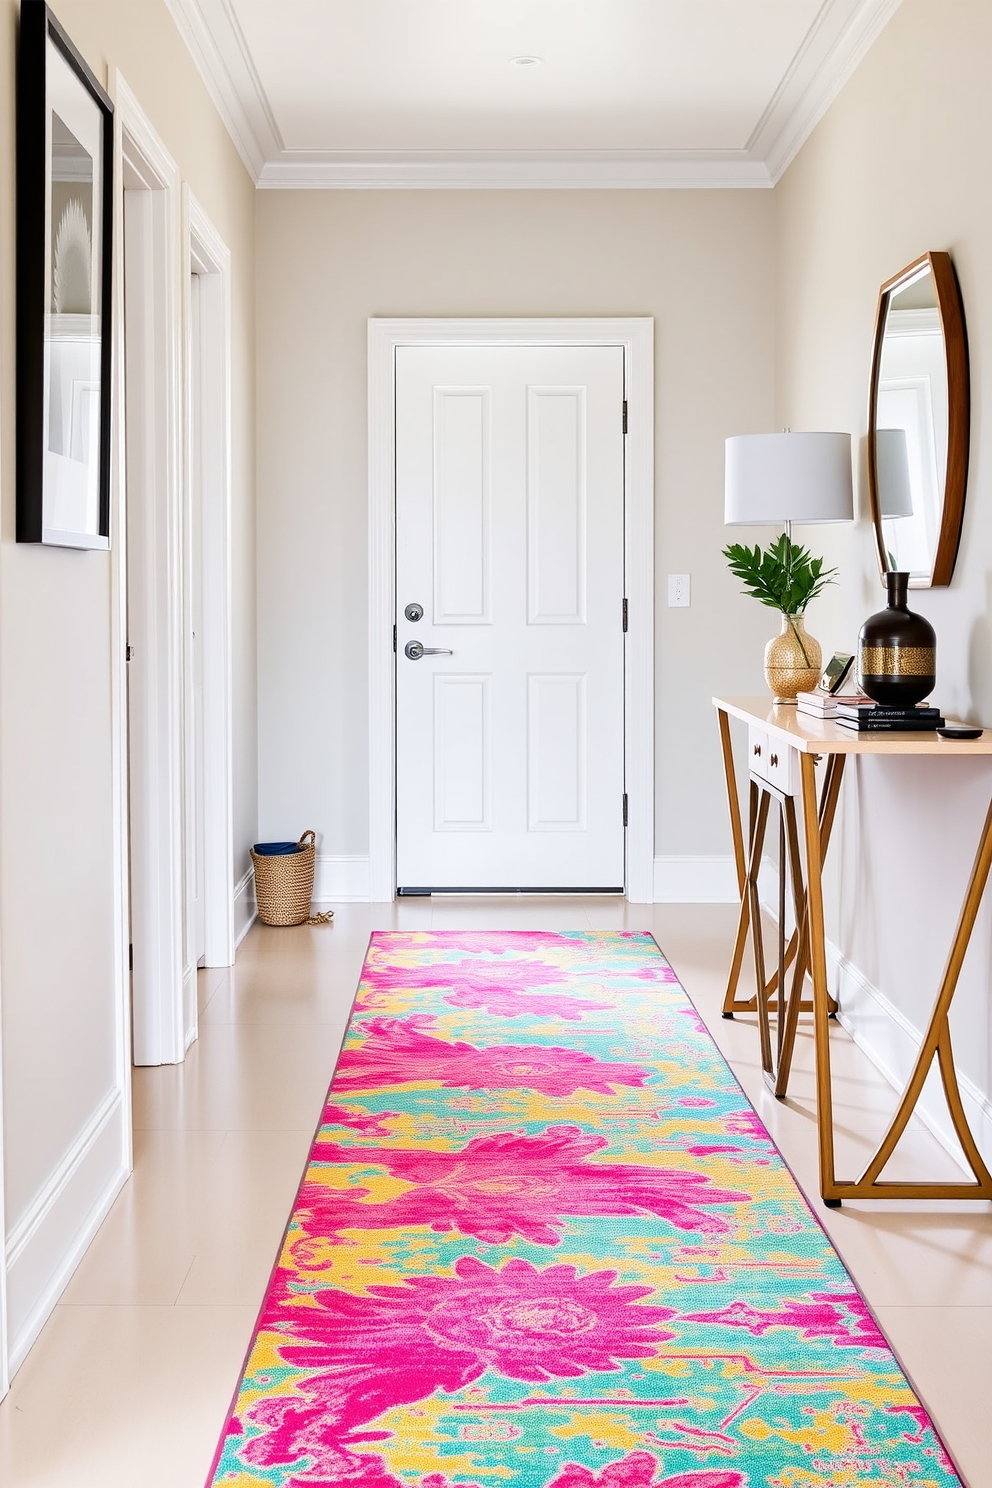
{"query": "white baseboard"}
pixel 695 880
pixel 189 1005
pixel 339 878
pixel 48 1242
pixel 245 908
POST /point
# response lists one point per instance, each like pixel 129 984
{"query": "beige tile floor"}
pixel 130 1380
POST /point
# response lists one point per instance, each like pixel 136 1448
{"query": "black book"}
pixel 902 725
pixel 879 710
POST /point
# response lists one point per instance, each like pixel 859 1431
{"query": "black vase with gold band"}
pixel 897 651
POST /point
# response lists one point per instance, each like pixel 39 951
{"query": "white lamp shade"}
pixel 778 478
pixel 895 494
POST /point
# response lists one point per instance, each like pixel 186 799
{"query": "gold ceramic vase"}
pixel 793 660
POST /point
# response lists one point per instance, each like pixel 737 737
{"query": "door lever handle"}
pixel 414 650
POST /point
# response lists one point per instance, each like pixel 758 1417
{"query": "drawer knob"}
pixel 773 760
pixel 757 749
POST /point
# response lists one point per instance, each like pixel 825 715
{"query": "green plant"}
pixel 785 578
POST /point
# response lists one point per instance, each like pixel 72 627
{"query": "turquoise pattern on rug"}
pixel 544 1241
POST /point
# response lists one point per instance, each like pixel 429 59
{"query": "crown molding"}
pixel 444 170
pixel 838 39
pixel 218 47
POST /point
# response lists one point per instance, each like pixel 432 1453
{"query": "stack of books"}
pixel 870 718
pixel 821 704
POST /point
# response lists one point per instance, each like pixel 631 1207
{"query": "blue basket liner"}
pixel 276 849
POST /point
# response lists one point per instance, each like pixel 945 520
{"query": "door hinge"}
pixel 625 415
pixel 625 617
pixel 625 808
pixel 130 958
pixel 394 640
pixel 128 653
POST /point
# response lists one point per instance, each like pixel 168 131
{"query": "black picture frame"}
pixel 65 216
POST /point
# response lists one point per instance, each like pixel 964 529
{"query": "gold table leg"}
pixel 776 1059
pixel 777 1074
pixel 757 939
pixel 735 810
pixel 795 1005
pixel 731 1003
pixel 936 1040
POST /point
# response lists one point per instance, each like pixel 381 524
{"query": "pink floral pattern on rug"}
pixel 394 1046
pixel 400 1344
pixel 640 1470
pixel 845 1320
pixel 501 1186
pixel 516 1002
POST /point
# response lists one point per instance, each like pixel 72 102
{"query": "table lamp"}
pixel 777 480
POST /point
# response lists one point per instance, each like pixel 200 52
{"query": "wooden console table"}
pixel 783 747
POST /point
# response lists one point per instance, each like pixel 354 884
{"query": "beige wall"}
pixel 898 166
pixel 700 263
pixel 56 797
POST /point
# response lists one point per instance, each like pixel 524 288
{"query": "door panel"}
pixel 509 533
pixel 556 515
pixel 556 754
pixel 462 556
pixel 462 754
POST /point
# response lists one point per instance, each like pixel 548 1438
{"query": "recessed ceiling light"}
pixel 526 61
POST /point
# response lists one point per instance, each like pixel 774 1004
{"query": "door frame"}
pixel 156 875
pixel 636 337
pixel 206 255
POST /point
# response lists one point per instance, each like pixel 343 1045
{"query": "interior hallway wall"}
pixel 65 1122
pixel 899 166
pixel 701 263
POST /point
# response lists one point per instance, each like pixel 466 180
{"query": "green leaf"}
pixel 785 578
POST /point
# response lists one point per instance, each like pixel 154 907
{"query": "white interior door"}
pixel 509 537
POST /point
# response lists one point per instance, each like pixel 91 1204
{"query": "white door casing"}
pixel 509 532
pixel 152 534
pixel 193 802
pixel 208 719
pixel 636 338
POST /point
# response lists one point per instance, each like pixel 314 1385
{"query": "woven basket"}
pixel 284 883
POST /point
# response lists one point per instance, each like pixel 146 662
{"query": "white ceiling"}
pixel 642 93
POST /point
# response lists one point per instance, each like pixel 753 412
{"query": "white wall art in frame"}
pixel 64 228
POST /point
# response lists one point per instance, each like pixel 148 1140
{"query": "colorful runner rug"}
pixel 543 1241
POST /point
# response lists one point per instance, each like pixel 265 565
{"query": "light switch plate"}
pixel 678 591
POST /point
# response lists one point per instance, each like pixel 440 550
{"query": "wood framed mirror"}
pixel 919 422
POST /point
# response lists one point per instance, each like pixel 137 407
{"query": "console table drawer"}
pixel 773 762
